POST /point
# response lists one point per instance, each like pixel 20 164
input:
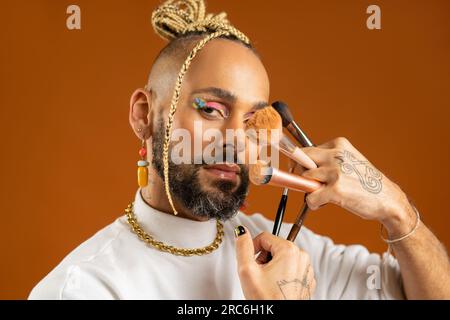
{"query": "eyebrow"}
pixel 228 96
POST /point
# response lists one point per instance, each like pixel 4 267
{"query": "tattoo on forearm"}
pixel 294 287
pixel 369 177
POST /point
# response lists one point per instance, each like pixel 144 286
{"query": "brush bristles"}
pixel 266 118
pixel 283 110
pixel 260 173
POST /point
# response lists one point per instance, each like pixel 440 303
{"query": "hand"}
pixel 353 183
pixel 288 275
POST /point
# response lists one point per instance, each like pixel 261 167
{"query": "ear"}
pixel 141 115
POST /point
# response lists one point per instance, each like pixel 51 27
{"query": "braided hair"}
pixel 175 20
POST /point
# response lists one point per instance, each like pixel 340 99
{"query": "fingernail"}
pixel 239 231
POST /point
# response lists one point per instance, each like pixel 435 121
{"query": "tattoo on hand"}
pixel 291 288
pixel 369 177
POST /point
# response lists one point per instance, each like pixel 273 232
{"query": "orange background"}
pixel 68 154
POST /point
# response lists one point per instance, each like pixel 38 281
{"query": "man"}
pixel 116 264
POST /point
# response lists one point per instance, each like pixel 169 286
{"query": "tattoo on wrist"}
pixel 369 177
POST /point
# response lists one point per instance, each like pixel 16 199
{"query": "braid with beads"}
pixel 171 20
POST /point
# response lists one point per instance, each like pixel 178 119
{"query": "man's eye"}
pixel 214 110
pixel 212 113
pixel 208 110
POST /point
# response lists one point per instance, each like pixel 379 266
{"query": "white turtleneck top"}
pixel 115 264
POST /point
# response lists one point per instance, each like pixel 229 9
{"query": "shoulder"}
pixel 84 266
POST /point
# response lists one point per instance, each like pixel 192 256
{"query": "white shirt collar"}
pixel 173 230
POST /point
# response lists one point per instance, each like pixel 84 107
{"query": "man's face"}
pixel 234 83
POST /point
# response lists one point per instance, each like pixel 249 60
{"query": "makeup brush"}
pixel 289 123
pixel 261 173
pixel 268 118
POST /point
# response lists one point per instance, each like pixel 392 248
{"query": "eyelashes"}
pixel 215 110
pixel 211 109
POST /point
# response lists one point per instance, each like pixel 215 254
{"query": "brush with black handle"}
pixel 270 118
pixel 294 129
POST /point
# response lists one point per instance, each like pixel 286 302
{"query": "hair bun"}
pixel 174 18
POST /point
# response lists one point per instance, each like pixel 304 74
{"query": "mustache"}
pixel 226 155
pixel 244 169
pixel 195 168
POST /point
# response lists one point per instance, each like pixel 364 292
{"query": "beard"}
pixel 224 199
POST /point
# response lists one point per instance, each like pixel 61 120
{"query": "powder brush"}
pixel 261 173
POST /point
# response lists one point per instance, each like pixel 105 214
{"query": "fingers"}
pixel 325 153
pixel 263 257
pixel 302 159
pixel 264 243
pixel 273 244
pixel 324 174
pixel 339 142
pixel 327 174
pixel 319 174
pixel 320 156
pixel 320 197
pixel 245 250
pixel 294 167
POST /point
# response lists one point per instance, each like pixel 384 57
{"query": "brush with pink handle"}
pixel 269 119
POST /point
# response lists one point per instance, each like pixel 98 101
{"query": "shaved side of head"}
pixel 168 62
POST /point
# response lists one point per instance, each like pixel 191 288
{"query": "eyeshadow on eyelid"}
pixel 201 104
pixel 214 104
pixel 198 103
pixel 218 106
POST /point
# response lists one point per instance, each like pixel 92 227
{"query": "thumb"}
pixel 245 251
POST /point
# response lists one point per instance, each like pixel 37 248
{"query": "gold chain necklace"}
pixel 187 252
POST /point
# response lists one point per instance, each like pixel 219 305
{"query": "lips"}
pixel 229 167
pixel 227 171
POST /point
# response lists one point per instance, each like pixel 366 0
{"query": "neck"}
pixel 154 195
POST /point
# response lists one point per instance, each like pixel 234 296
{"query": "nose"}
pixel 235 134
pixel 236 120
